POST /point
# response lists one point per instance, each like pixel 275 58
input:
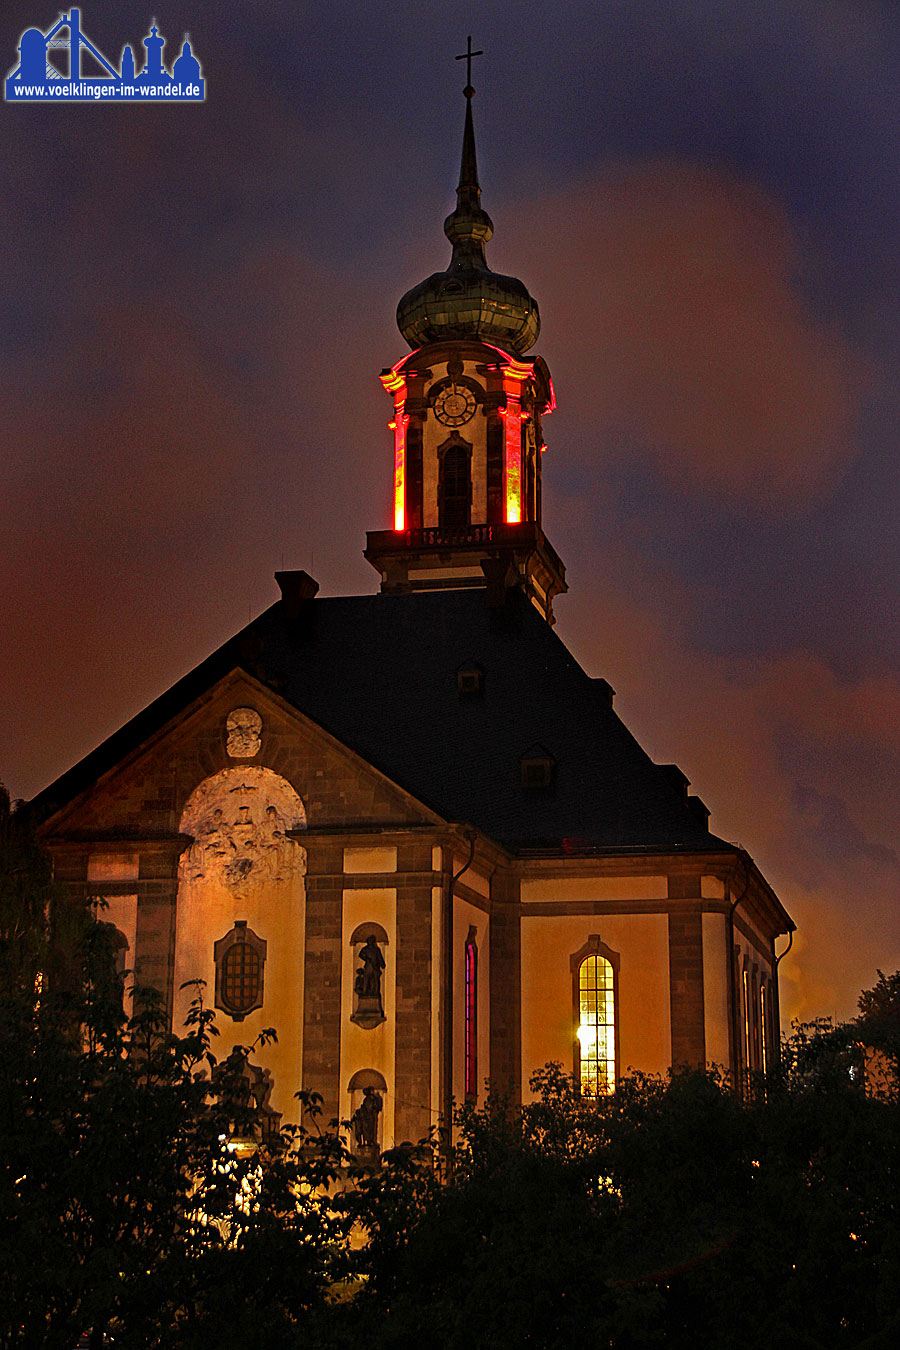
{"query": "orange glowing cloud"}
pixel 798 767
pixel 677 287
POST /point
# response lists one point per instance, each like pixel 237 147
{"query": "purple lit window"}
pixel 471 1017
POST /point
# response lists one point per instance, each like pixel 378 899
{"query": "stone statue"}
pixel 368 977
pixel 365 1118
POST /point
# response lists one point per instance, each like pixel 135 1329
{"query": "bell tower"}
pixel 468 423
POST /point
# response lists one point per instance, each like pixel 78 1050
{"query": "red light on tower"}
pixel 395 383
pixel 399 425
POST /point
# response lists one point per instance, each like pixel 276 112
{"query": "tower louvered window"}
pixel 455 488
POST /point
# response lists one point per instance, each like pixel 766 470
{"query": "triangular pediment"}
pixel 238 721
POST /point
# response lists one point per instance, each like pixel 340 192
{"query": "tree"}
pixel 143 1203
pixel 674 1212
pixel 136 1204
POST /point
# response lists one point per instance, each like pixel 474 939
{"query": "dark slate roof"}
pixel 379 673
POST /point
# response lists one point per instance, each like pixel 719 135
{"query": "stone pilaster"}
pixel 506 986
pixel 413 1117
pixel 322 979
pixel 686 975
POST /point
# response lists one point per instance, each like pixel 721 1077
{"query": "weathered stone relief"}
pixel 239 820
pixel 243 729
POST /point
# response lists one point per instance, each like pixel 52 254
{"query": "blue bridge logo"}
pixel 45 74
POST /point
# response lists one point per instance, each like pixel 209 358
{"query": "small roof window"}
pixel 470 680
pixel 538 768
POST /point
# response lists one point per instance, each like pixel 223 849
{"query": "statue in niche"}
pixel 244 1089
pixel 243 729
pixel 365 1119
pixel 368 977
pixel 369 1009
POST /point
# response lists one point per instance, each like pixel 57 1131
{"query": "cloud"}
pixel 818 813
pixel 677 287
pixel 834 834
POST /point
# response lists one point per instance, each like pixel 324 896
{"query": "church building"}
pixel 407 829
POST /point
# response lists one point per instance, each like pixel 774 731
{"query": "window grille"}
pixel 240 978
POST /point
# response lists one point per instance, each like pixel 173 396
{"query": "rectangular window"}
pixel 745 1001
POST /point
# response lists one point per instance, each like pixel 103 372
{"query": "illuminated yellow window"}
pixel 596 1026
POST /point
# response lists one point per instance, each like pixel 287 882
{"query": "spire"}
pixel 469 192
pixel 468 227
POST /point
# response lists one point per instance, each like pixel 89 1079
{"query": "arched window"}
pixel 471 1011
pixel 455 486
pixel 595 970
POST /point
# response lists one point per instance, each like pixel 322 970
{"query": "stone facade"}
pixel 329 844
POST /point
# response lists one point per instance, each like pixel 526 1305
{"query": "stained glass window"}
pixel 596 1028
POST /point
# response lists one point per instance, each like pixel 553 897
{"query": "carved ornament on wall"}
pixel 243 729
pixel 240 820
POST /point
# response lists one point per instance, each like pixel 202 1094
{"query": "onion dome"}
pixel 469 300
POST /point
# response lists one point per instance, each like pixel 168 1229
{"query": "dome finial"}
pixel 468 300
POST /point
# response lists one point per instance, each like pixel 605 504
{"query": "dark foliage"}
pixel 137 1205
pixel 140 1206
pixel 673 1214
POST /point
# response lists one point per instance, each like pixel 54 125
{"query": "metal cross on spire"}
pixel 467 57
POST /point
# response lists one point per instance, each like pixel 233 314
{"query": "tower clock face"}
pixel 454 405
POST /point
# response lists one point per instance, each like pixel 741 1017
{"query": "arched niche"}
pixel 368 941
pixel 240 821
pixel 364 1078
pixel 367 1090
pixel 363 931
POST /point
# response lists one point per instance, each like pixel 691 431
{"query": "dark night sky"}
pixel 704 198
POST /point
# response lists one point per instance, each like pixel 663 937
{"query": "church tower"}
pixel 468 424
